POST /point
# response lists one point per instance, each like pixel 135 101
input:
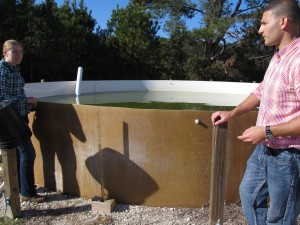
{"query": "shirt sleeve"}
pixel 296 79
pixel 3 82
pixel 259 90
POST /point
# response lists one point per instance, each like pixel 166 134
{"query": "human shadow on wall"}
pixel 120 177
pixel 53 126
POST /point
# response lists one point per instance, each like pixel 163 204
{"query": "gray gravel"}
pixel 63 209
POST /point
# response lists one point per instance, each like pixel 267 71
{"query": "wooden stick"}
pixel 218 173
pixel 11 182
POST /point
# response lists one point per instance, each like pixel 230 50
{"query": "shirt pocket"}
pixel 286 96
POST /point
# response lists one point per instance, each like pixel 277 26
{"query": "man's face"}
pixel 270 29
pixel 14 56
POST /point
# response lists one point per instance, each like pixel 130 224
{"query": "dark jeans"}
pixel 25 157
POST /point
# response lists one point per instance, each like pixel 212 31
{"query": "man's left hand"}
pixel 254 134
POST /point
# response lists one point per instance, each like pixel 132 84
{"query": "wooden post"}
pixel 218 173
pixel 11 182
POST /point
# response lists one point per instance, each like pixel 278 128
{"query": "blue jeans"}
pixel 25 157
pixel 270 189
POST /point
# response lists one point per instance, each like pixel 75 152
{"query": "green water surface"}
pixel 167 106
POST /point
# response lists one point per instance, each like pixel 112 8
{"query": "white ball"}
pixel 197 121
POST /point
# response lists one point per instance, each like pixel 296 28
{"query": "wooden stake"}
pixel 11 182
pixel 218 173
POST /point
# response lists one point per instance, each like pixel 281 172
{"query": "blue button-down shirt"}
pixel 12 86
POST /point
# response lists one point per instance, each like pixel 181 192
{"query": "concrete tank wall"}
pixel 149 157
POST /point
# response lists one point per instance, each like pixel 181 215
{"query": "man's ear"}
pixel 283 22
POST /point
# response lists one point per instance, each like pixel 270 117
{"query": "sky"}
pixel 102 10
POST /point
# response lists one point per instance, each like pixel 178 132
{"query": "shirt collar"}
pixel 287 48
pixel 16 68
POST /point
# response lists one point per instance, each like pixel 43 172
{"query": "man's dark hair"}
pixel 288 8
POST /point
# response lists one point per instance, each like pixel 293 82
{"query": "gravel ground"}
pixel 63 209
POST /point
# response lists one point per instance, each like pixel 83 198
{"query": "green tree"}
pixel 8 13
pixel 222 25
pixel 132 33
pixel 77 41
pixel 17 19
pixel 41 45
pixel 251 57
pixel 57 40
pixel 174 53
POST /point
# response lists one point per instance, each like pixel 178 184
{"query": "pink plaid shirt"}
pixel 279 94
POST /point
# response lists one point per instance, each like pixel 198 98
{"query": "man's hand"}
pixel 254 134
pixel 32 101
pixel 220 117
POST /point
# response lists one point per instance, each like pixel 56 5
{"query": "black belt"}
pixel 276 152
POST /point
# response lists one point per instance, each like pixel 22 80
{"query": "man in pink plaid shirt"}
pixel 272 171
